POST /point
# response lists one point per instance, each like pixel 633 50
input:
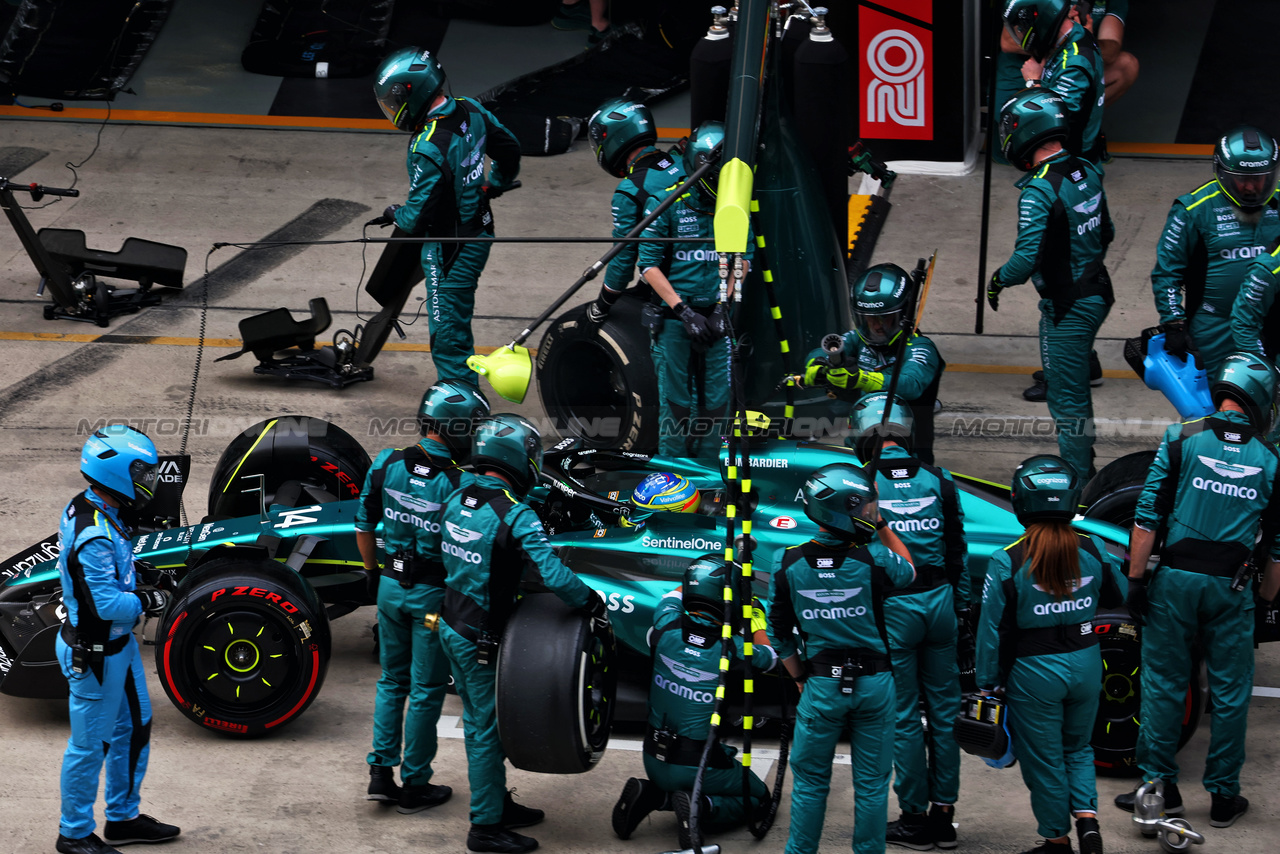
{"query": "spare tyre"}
pixel 302 461
pixel 598 382
pixel 244 645
pixel 1112 494
pixel 556 683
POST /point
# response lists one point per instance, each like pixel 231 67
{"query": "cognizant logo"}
pixel 1064 606
pixel 682 691
pixel 696 255
pixel 460 553
pixel 1225 488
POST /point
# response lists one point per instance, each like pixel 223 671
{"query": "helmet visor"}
pixel 144 477
pixel 1247 189
pixel 392 102
pixel 878 329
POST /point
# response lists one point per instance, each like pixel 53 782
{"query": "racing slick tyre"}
pixel 598 382
pixel 302 461
pixel 556 683
pixel 1115 732
pixel 244 645
pixel 1112 494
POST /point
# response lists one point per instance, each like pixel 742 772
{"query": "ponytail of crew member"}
pixel 1053 557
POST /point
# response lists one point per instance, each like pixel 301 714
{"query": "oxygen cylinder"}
pixel 821 99
pixel 796 33
pixel 1185 385
pixel 709 71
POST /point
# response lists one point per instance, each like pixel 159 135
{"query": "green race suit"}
pixel 870 369
pixel 653 173
pixel 686 663
pixel 1205 250
pixel 1074 71
pixel 401 500
pixel 1042 650
pixel 827 592
pixel 1253 304
pixel 921 505
pixel 1211 483
pixel 489 538
pixel 447 199
pixel 693 382
pixel 1064 228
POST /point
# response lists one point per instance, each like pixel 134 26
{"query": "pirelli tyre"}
pixel 1115 732
pixel 598 382
pixel 556 684
pixel 244 645
pixel 302 461
pixel 1112 494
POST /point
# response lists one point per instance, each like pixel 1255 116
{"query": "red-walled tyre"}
pixel 244 646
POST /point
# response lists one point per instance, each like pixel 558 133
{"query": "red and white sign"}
pixel 896 72
pixel 783 522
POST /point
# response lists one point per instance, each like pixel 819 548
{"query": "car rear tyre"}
pixel 1112 494
pixel 556 683
pixel 244 646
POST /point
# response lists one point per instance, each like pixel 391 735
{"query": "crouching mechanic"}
pixel 448 193
pixel 689 344
pixel 830 589
pixel 401 501
pixel 109 707
pixel 922 621
pixel 686 655
pixel 1210 489
pixel 882 300
pixel 488 538
pixel 623 134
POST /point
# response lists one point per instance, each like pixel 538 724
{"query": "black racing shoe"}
pixel 639 798
pixel 575 17
pixel 516 815
pixel 144 828
pixel 1089 835
pixel 682 804
pixel 1226 810
pixel 1038 392
pixel 911 830
pixel 1047 847
pixel 90 844
pixel 382 785
pixel 942 826
pixel 494 837
pixel 418 798
pixel 1172 800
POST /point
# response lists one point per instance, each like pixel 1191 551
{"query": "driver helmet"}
pixel 618 128
pixel 452 409
pixel 880 304
pixel 665 491
pixel 511 445
pixel 705 582
pixel 704 146
pixel 123 463
pixel 406 84
pixel 1045 489
pixel 1244 165
pixel 1035 24
pixel 1250 381
pixel 1027 121
pixel 841 497
pixel 869 426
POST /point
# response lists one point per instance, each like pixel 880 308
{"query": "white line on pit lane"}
pixel 1266 692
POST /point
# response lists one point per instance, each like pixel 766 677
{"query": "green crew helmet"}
pixel 618 128
pixel 511 445
pixel 704 146
pixel 880 304
pixel 452 409
pixel 1035 24
pixel 704 584
pixel 1244 163
pixel 1045 489
pixel 1250 381
pixel 1027 121
pixel 406 84
pixel 869 427
pixel 841 497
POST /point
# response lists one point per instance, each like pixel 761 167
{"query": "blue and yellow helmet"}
pixel 671 493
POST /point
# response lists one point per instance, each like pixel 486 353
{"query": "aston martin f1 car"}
pixel 244 644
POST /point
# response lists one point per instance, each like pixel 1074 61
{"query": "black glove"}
pixel 1136 600
pixel 153 601
pixel 388 217
pixel 371 582
pixel 596 608
pixel 149 576
pixel 695 325
pixel 993 290
pixel 1176 340
pixel 599 310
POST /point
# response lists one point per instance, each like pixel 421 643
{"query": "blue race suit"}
pixel 447 199
pixel 110 709
pixel 401 499
pixel 1043 652
pixel 829 591
pixel 922 507
pixel 686 659
pixel 489 537
pixel 1211 483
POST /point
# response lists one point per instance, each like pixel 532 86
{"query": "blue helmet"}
pixel 123 463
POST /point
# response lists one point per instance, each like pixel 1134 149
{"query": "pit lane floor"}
pixel 303 790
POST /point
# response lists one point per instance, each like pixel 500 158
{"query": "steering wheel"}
pixel 558 472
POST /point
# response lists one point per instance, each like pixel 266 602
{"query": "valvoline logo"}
pixel 895 59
